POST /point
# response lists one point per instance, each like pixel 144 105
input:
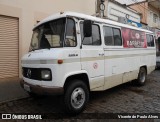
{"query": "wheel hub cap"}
pixel 78 98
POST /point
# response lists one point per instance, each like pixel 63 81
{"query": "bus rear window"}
pixel 150 41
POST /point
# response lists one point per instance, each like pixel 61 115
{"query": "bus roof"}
pixel 87 17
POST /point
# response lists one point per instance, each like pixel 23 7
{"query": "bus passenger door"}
pixel 92 57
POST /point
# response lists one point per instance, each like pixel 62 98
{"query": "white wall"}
pixel 31 11
pixel 115 11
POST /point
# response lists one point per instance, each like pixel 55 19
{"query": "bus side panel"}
pixel 122 65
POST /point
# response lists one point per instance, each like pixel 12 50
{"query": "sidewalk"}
pixel 10 89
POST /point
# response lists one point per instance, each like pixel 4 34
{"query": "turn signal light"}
pixel 60 61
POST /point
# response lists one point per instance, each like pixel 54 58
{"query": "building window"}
pixel 117 37
pixel 155 18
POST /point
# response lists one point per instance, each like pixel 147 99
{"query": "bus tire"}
pixel 141 76
pixel 76 97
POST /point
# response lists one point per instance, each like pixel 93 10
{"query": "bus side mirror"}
pixel 87 28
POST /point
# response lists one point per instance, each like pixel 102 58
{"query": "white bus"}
pixel 72 54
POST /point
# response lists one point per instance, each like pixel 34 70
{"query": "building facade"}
pixel 116 10
pixel 150 11
pixel 154 14
pixel 119 12
pixel 140 7
pixel 18 17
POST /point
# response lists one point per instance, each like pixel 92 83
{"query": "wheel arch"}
pixel 83 76
pixel 144 66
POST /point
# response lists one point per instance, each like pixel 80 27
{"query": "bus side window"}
pixel 112 36
pixel 117 37
pixel 95 39
pixel 108 36
pixel 150 41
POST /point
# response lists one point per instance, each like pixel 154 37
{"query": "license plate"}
pixel 27 88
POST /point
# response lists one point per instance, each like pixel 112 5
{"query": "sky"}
pixel 127 2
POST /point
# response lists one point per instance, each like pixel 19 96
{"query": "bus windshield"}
pixel 54 34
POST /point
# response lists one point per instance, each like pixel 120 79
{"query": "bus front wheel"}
pixel 76 97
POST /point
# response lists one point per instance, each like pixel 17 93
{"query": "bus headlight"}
pixel 46 74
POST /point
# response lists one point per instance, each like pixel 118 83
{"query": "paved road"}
pixel 126 98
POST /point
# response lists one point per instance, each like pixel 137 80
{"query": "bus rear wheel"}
pixel 141 76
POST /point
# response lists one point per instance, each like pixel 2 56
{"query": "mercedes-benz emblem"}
pixel 29 73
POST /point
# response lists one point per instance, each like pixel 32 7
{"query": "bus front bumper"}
pixel 41 90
